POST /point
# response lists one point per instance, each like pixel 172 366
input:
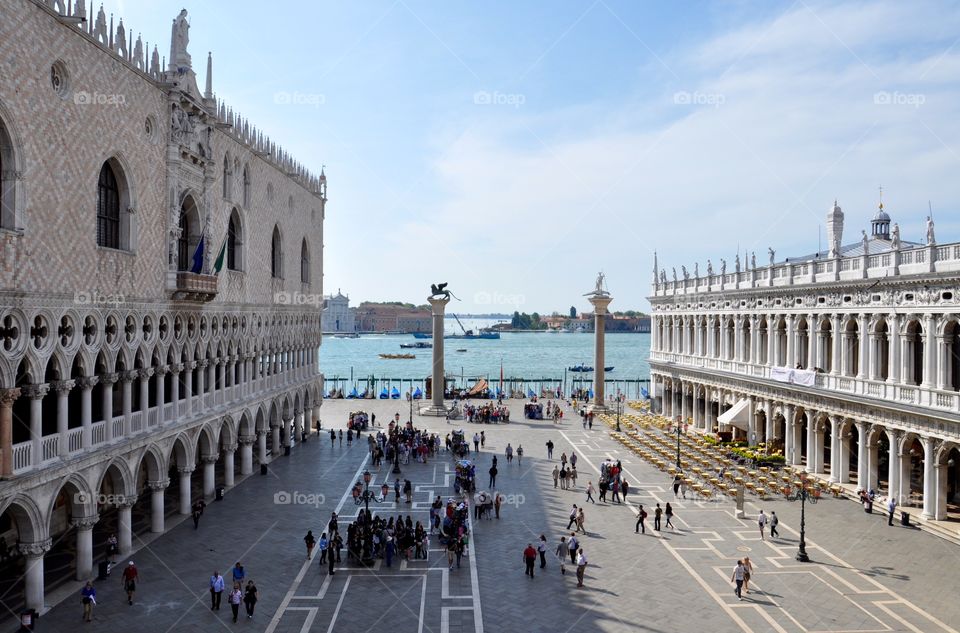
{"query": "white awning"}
pixel 738 415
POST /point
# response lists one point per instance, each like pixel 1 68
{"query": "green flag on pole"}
pixel 218 265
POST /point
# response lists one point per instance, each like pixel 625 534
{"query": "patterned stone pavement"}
pixel 865 576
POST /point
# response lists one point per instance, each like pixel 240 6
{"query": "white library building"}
pixel 153 346
pixel 846 360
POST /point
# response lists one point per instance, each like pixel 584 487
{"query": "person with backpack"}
pixel 573 544
pixel 774 522
pixel 641 527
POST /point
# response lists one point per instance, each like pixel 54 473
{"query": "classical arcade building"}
pixel 846 360
pixel 159 291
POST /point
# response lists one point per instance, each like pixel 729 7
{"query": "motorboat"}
pixel 397 356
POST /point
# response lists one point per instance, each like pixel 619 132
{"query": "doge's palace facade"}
pixel 846 360
pixel 159 290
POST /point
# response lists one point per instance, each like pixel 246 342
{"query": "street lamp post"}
pixel 396 450
pixel 367 555
pixel 619 410
pixel 802 552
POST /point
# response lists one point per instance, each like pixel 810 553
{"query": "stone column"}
pixel 862 466
pixel 437 407
pixel 126 380
pixel 864 339
pixel 262 447
pixel 33 581
pixel 771 338
pixel 836 446
pixel 813 341
pixel 188 388
pixel 209 474
pixel 159 385
pixel 789 435
pixel 929 352
pixel 175 370
pixel 893 470
pixel 184 483
pixel 203 386
pixel 228 454
pixel 106 402
pixel 929 477
pixel 36 394
pixel 752 422
pixel 63 387
pixel 768 421
pixel 818 447
pixel 86 384
pixel 811 442
pixel 145 374
pixel 893 360
pixel 246 454
pixel 275 432
pixel 599 303
pixel 84 554
pixel 297 425
pixel 157 490
pixel 684 408
pixel 903 488
pixel 125 525
pixel 836 363
pixel 791 360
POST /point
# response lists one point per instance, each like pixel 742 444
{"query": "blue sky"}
pixel 514 149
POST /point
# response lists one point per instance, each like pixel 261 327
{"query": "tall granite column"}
pixel 438 380
pixel 599 303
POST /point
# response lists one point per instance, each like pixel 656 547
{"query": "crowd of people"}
pixel 486 413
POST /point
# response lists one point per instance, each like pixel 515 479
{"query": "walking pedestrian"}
pixel 458 550
pixel 197 512
pixel 493 477
pixel 573 460
pixel 891 508
pixel 497 502
pixel 774 522
pixel 235 598
pixel 451 551
pixel 657 513
pixel 239 573
pixel 573 544
pixel 737 578
pixel 330 558
pixel 542 551
pixel 761 523
pixel 668 512
pixel 580 519
pixel 333 438
pixel 250 597
pixel 676 485
pixel 590 492
pixel 581 566
pixel 572 477
pixel 476 442
pixel 323 548
pixel 563 478
pixel 311 542
pixel 747 572
pixel 641 515
pixel 483 440
pixel 563 550
pixel 529 558
pixel 573 516
pixel 549 449
pixel 388 551
pixel 396 490
pixel 563 459
pixel 624 489
pixel 683 488
pixel 556 475
pixel 129 578
pixel 216 590
pixel 615 489
pixel 340 435
pixel 509 453
pixel 112 548
pixel 88 598
pixel 519 454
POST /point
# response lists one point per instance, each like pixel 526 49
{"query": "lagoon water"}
pixel 528 355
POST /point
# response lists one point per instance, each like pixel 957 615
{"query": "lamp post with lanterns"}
pixel 802 493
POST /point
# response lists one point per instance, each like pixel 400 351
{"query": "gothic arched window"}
pixel 304 263
pixel 276 255
pixel 234 242
pixel 108 208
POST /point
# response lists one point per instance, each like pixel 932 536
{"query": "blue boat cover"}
pixel 383 394
pixel 395 393
pixel 417 394
pixel 644 393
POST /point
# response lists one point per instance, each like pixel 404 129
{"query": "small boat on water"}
pixel 384 394
pixel 585 368
pixel 353 394
pixel 461 350
pixel 418 394
pixel 347 335
pixel 397 356
pixel 472 336
pixel 422 335
pixel 416 345
pixel 394 394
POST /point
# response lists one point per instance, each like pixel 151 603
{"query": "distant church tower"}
pixel 835 229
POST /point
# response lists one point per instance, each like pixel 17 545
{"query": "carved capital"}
pixel 35 392
pixel 87 382
pixel 35 550
pixel 85 523
pixel 126 501
pixel 154 486
pixel 146 372
pixel 186 470
pixel 7 396
pixel 109 378
pixel 210 459
pixel 128 376
pixel 229 448
pixel 176 368
pixel 189 365
pixel 203 363
pixel 161 371
pixel 248 439
pixel 63 386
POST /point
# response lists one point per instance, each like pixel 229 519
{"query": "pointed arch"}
pixel 276 253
